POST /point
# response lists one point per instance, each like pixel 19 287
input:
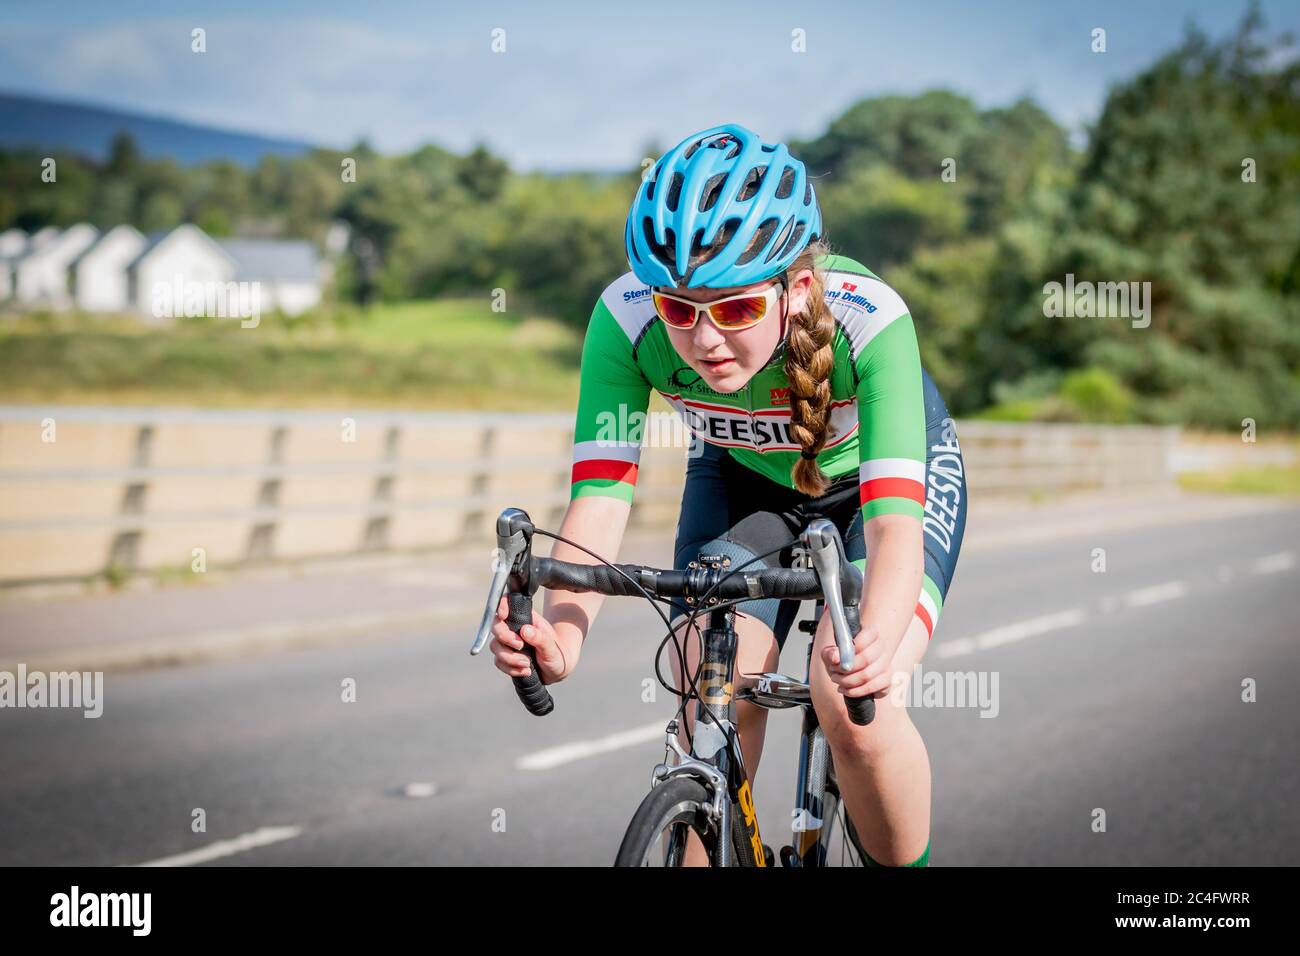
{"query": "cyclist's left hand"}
pixel 870 674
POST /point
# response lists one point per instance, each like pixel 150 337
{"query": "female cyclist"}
pixel 799 376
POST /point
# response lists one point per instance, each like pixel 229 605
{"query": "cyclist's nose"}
pixel 706 335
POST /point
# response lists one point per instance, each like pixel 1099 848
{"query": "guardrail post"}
pixel 124 549
pixel 261 538
pixel 472 526
pixel 562 484
pixel 378 525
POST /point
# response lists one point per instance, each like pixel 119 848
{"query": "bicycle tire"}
pixel 672 807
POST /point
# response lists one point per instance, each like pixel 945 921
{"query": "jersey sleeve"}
pixel 891 418
pixel 612 401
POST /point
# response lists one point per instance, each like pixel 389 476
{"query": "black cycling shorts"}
pixel 730 509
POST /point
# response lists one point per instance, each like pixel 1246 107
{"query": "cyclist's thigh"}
pixel 724 512
pixel 756 651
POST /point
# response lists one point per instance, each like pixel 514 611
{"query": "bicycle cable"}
pixel 697 608
pixel 690 624
pixel 692 679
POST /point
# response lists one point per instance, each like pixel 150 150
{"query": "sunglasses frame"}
pixel 706 306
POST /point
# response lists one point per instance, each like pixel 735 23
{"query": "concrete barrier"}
pixel 87 490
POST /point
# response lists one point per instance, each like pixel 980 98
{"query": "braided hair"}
pixel 809 359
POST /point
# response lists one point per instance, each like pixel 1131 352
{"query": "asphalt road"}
pixel 1119 691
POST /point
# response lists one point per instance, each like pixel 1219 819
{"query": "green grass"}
pixel 442 354
pixel 1275 480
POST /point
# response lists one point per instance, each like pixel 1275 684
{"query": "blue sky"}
pixel 581 84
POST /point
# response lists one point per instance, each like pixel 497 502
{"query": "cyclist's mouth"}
pixel 721 365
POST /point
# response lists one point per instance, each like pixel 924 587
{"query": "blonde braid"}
pixel 808 364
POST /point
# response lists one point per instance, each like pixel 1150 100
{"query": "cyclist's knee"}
pixel 844 736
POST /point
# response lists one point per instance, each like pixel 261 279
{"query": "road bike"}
pixel 705 789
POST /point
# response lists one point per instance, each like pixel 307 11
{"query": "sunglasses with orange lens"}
pixel 731 314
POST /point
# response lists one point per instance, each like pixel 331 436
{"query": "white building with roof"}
pixel 13 243
pixel 288 272
pixel 100 282
pixel 40 275
pixel 156 275
pixel 184 257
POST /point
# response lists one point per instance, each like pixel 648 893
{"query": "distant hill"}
pixel 48 124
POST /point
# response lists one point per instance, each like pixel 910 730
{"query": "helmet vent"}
pixel 793 242
pixel 753 182
pixel 719 141
pixel 709 196
pixel 701 254
pixel 786 186
pixel 759 242
pixel 674 191
pixel 664 252
pixel 631 246
pixel 780 240
pixel 807 193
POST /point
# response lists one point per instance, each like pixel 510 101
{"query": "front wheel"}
pixel 657 834
pixel 840 842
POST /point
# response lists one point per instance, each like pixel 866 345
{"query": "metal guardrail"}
pixel 138 488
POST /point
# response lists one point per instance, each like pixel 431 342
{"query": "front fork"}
pixel 808 821
pixel 715 752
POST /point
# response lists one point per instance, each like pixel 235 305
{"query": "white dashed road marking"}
pixel 1155 594
pixel 567 753
pixel 1009 633
pixel 222 848
pixel 1273 563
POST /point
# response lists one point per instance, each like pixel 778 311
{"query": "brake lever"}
pixel 510 545
pixel 825 548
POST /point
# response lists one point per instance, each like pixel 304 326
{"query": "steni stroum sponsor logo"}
pixel 636 294
pixel 689 380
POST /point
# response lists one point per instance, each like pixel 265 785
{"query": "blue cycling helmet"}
pixel 722 209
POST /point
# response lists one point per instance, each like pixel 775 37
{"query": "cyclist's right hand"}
pixel 506 647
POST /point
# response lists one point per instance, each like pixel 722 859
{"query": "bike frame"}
pixel 716 756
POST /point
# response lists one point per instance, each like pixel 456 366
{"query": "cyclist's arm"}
pixel 612 401
pixel 891 429
pixel 598 523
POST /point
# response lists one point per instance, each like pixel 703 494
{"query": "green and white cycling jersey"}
pixel 877 407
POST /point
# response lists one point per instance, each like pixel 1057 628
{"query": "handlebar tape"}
pixel 532 692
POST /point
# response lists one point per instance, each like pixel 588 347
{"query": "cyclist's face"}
pixel 728 360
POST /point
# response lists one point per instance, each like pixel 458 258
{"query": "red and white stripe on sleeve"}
pixel 605 468
pixel 891 478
